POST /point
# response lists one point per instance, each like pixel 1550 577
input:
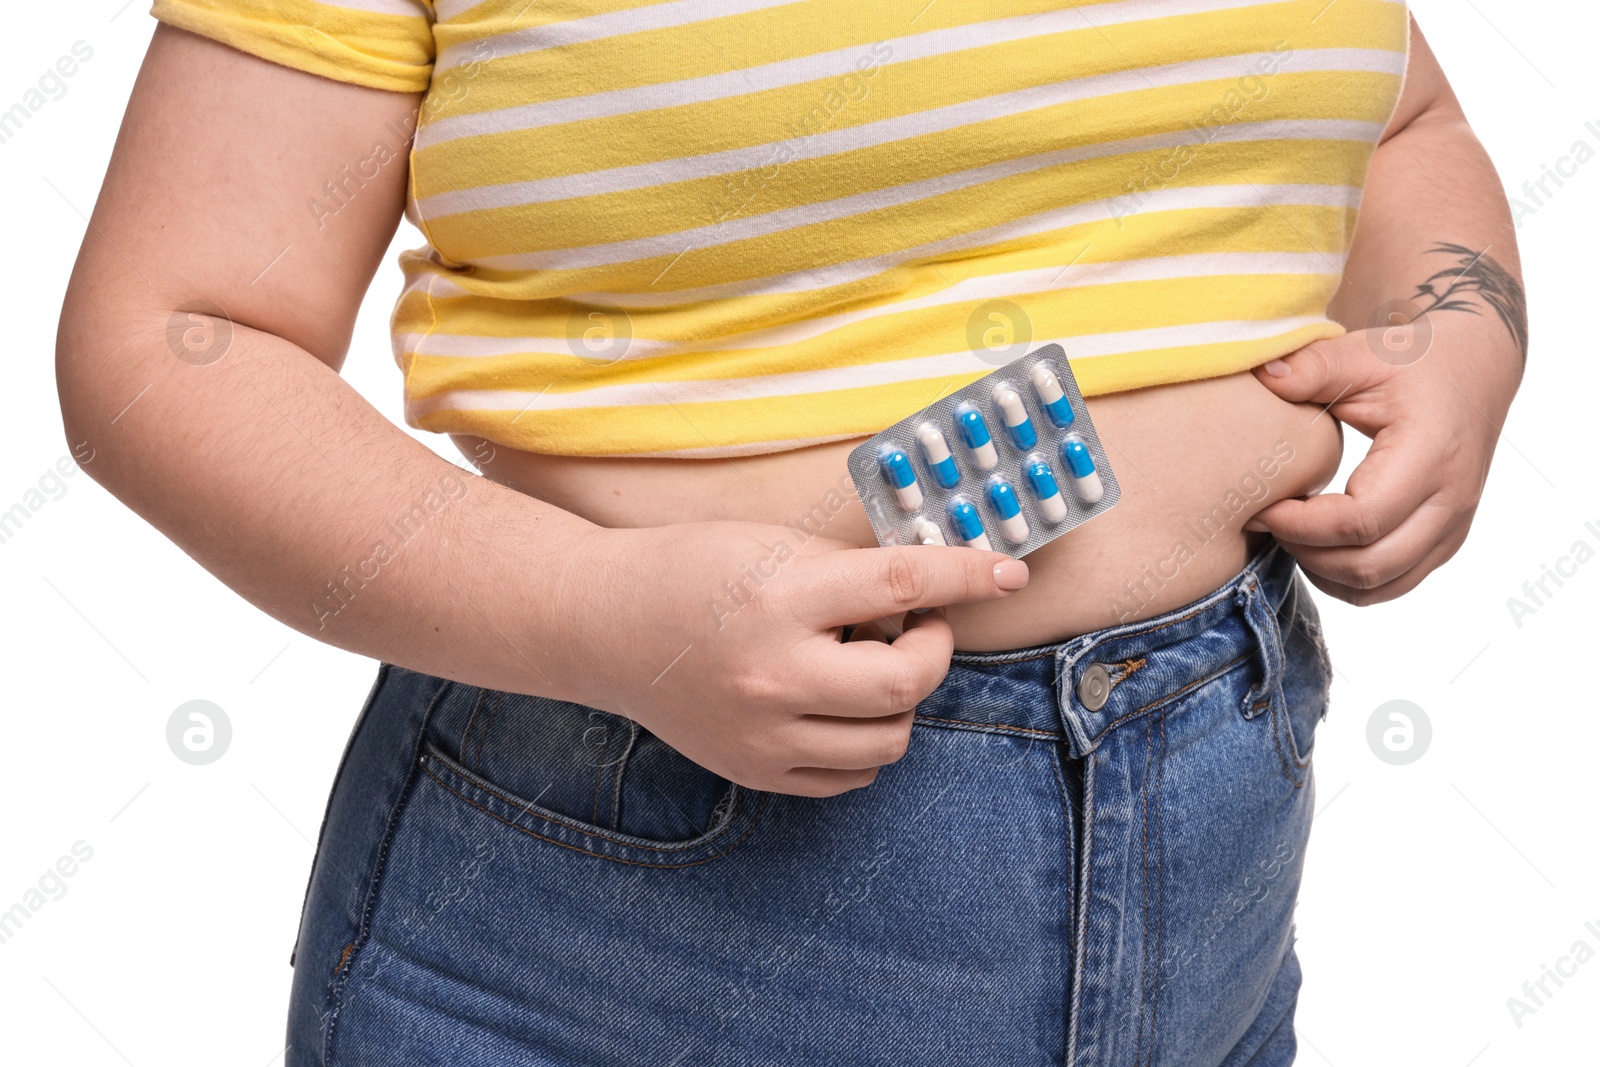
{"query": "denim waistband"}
pixel 1137 667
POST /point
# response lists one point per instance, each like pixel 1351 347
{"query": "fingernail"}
pixel 1277 368
pixel 1258 526
pixel 1011 574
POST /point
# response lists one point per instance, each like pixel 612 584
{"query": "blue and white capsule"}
pixel 1046 491
pixel 975 432
pixel 927 532
pixel 1004 500
pixel 1080 463
pixel 1052 398
pixel 969 525
pixel 900 475
pixel 936 450
pixel 1015 416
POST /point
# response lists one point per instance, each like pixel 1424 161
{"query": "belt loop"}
pixel 1263 623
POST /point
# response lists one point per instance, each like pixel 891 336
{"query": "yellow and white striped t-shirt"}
pixel 719 227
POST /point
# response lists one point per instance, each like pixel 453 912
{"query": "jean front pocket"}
pixel 585 778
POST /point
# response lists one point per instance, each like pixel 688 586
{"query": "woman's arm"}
pixel 1431 184
pixel 1439 332
pixel 236 437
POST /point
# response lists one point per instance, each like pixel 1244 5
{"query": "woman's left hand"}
pixel 1434 420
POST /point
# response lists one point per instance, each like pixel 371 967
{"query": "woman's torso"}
pixel 1195 461
pixel 649 246
pixel 673 230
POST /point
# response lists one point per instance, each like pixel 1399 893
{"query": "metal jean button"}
pixel 1094 687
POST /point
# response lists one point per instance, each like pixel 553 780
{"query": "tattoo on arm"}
pixel 1477 278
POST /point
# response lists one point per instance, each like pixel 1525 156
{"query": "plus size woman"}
pixel 661 766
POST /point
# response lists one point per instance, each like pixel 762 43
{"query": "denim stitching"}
pixel 375 885
pixel 1246 577
pixel 1072 896
pixel 1144 899
pixel 1296 778
pixel 1129 667
pixel 1269 641
pixel 1121 672
pixel 1022 655
pixel 443 762
pixel 1001 727
pixel 1213 676
pixel 1155 979
pixel 1141 662
pixel 349 745
pixel 1086 861
pixel 1080 937
pixel 755 820
pixel 1250 705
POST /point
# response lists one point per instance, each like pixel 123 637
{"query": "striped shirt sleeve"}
pixel 382 44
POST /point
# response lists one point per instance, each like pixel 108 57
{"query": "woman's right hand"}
pixel 257 459
pixel 724 640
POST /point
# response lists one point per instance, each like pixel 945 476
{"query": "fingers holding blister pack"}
pixel 1008 463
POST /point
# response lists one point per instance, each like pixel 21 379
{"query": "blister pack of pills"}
pixel 1009 462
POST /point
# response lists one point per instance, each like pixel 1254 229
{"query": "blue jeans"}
pixel 1089 856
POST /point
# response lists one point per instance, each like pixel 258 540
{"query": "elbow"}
pixel 103 366
pixel 75 392
pixel 72 394
pixel 81 441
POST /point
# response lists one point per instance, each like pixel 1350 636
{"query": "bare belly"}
pixel 1195 460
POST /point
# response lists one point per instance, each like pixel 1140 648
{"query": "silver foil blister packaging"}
pixel 1009 462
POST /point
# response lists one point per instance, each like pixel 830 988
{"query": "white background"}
pixel 1433 891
